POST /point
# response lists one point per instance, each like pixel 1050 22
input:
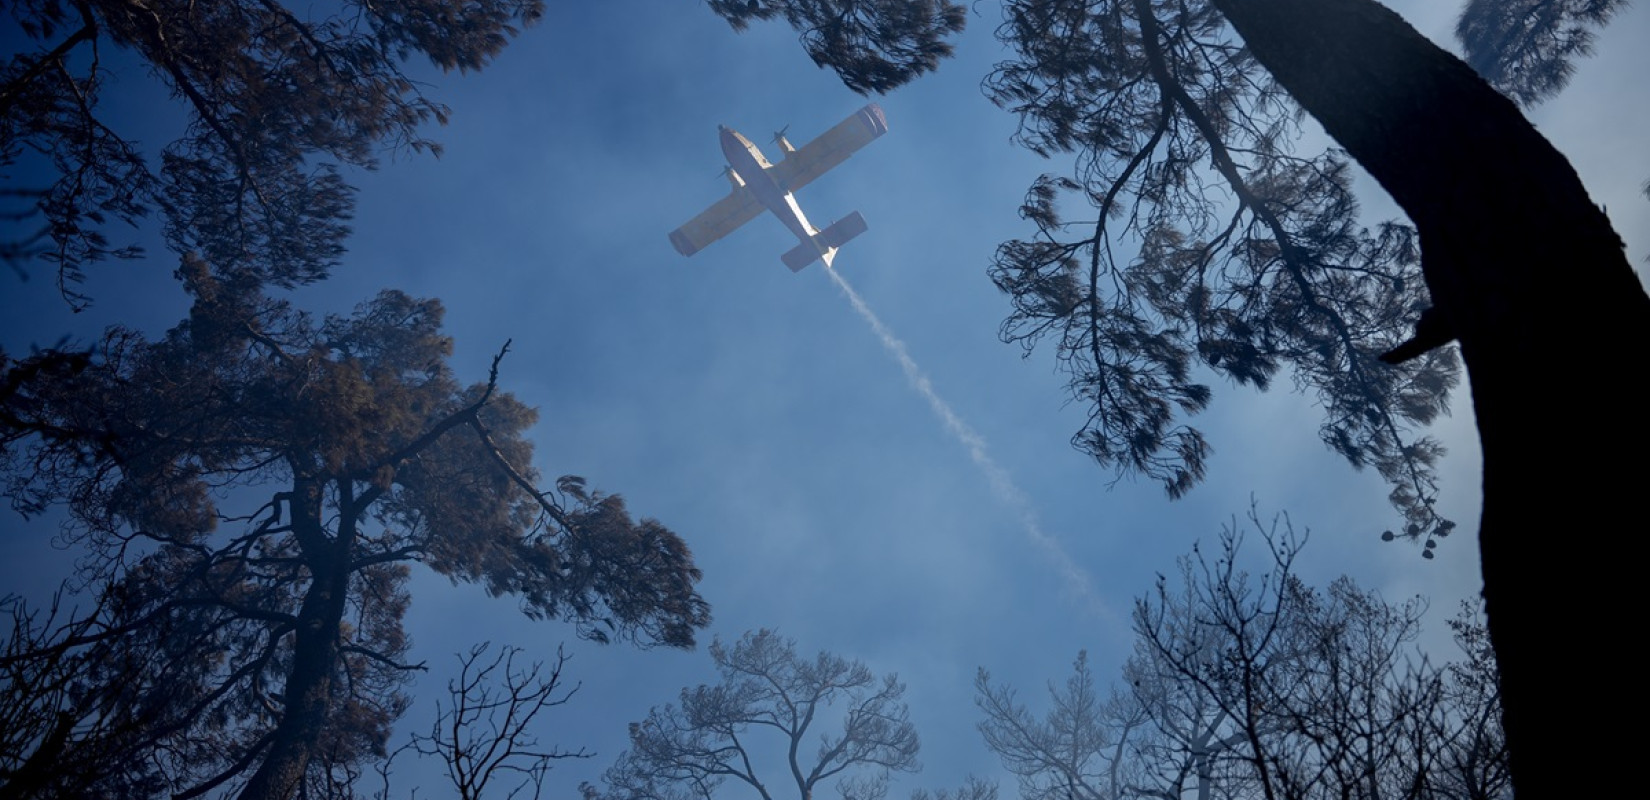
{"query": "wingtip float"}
pixel 758 185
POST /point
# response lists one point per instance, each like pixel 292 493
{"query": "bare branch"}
pixel 486 729
pixel 767 686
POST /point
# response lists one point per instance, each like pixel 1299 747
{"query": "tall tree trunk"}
pixel 309 684
pixel 1553 326
pixel 34 777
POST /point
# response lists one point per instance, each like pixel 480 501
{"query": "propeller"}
pixel 731 177
pixel 780 134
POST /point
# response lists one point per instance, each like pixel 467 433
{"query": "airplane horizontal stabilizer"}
pixel 824 243
pixel 842 230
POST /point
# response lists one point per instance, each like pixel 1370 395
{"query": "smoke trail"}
pixel 1002 485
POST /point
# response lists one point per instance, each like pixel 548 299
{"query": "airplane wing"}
pixel 723 217
pixel 831 148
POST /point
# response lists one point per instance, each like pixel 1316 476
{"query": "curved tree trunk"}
pixel 314 653
pixel 1553 326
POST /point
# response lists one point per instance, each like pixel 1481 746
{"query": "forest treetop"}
pixel 248 493
pixel 279 98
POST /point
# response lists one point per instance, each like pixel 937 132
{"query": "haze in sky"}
pixel 853 455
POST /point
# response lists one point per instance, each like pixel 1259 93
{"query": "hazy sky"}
pixel 757 414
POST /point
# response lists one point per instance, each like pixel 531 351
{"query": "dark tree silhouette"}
pixel 1258 686
pixel 973 788
pixel 1468 169
pixel 1520 267
pixel 45 707
pixel 769 692
pixel 1527 48
pixel 873 46
pixel 1281 277
pixel 485 732
pixel 249 491
pixel 278 97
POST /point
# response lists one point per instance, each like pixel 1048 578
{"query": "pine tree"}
pixel 250 492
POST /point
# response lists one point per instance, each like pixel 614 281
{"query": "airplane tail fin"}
pixel 823 245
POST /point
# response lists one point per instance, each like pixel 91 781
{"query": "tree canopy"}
pixel 279 98
pixel 770 692
pixel 873 47
pixel 1257 685
pixel 250 490
pixel 1282 277
pixel 1527 48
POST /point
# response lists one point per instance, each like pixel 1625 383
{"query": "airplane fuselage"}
pixel 748 163
pixel 759 185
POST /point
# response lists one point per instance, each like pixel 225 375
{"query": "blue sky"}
pixel 755 413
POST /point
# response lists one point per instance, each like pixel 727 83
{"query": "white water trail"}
pixel 1077 581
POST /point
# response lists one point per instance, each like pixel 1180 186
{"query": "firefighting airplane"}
pixel 759 185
